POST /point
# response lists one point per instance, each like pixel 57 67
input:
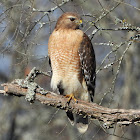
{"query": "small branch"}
pixel 106 115
pixel 133 28
pixel 52 9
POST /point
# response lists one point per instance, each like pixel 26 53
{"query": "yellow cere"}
pixel 80 21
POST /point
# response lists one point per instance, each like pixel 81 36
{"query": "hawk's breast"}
pixel 65 60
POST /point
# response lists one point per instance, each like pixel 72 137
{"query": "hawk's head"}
pixel 69 20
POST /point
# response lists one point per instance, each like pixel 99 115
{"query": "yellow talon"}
pixel 71 96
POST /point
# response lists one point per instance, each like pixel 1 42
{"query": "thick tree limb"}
pixel 106 115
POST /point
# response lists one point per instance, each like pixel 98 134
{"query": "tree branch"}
pixel 106 115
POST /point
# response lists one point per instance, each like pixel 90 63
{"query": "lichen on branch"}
pixel 92 110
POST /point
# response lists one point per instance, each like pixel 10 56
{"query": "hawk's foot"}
pixel 71 96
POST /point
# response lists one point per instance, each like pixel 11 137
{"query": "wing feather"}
pixel 88 64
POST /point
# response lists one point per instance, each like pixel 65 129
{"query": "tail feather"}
pixel 70 117
pixel 81 123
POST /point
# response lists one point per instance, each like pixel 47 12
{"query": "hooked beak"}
pixel 81 23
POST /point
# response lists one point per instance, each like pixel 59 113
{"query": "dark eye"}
pixel 72 19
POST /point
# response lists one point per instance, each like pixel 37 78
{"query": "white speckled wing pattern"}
pixel 88 64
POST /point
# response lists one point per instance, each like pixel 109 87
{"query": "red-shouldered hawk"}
pixel 73 63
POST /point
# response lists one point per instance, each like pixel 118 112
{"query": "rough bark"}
pixel 106 115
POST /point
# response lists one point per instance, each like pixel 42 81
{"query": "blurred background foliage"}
pixel 25 27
